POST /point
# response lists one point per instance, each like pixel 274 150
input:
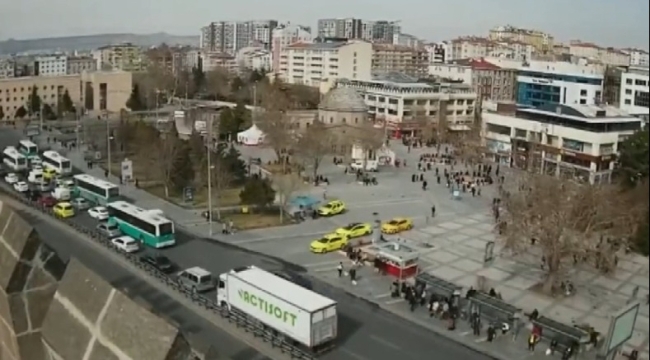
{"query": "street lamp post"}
pixel 108 145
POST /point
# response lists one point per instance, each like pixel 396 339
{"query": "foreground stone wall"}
pixel 102 323
pixel 29 273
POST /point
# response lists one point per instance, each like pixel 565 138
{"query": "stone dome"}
pixel 343 99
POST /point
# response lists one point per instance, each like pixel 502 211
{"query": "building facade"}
pixel 52 65
pixel 285 35
pixel 125 57
pixel 634 97
pixel 399 103
pixel 231 36
pixel 254 58
pixel 578 141
pixel 407 40
pixel 438 53
pixel 313 63
pixel 489 81
pixel 79 64
pixel 212 61
pixel 541 41
pixel 7 68
pixel 380 31
pixel 387 58
pixel 607 56
pixel 477 47
pixel 96 92
pixel 638 57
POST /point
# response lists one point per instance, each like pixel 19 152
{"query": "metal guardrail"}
pixel 238 319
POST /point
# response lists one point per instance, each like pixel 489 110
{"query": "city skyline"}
pixel 431 20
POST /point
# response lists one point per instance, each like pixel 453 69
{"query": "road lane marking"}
pixel 392 302
pixel 353 354
pixel 384 342
pixel 279 237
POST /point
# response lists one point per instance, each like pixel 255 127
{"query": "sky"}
pixel 620 23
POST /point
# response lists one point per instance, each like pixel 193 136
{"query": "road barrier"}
pixel 239 319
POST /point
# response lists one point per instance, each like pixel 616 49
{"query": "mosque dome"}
pixel 343 99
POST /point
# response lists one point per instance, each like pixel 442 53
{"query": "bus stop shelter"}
pixel 438 286
pixel 566 335
pixel 494 309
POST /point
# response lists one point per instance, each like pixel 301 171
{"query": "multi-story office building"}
pixel 638 57
pixel 489 81
pixel 231 36
pixel 387 58
pixel 608 56
pixel 285 35
pixel 51 65
pixel 125 57
pixel 96 92
pixel 79 64
pixel 398 101
pixel 317 62
pixel 541 41
pixel 634 97
pixel 380 31
pixel 580 141
pixel 476 47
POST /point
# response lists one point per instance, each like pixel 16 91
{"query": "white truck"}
pixel 301 315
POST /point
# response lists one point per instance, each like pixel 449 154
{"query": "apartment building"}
pixel 212 61
pixel 79 64
pixel 477 47
pixel 125 57
pixel 51 65
pixel 380 31
pixel 541 41
pixel 407 40
pixel 438 53
pixel 285 35
pixel 580 141
pixel 7 68
pixel 638 57
pixel 231 36
pixel 387 58
pixel 397 101
pixel 634 97
pixel 489 81
pixel 96 92
pixel 316 62
pixel 590 51
pixel 253 58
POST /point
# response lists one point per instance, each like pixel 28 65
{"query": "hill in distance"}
pixel 90 42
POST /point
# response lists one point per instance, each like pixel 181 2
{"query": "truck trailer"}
pixel 299 314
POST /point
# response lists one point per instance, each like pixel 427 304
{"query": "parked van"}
pixel 196 279
pixel 61 194
pixel 35 177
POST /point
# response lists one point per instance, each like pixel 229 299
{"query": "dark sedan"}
pixel 159 262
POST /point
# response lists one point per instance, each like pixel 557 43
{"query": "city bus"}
pixel 143 225
pixel 53 160
pixel 14 159
pixel 95 190
pixel 28 148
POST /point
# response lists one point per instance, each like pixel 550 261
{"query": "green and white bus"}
pixel 28 148
pixel 95 190
pixel 148 227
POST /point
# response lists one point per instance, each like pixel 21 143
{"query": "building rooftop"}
pixel 584 113
pixel 395 77
pixel 343 99
pixel 478 64
pixel 317 45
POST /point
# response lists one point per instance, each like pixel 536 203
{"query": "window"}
pixel 343 120
pixel 331 120
pixel 628 102
pixel 583 102
pixel 639 82
pixel 628 91
pixel 583 92
pixel 356 120
pixel 628 81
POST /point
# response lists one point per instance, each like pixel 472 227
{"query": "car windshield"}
pixel 111 227
pixel 101 210
pixel 65 207
pixel 393 222
pixel 206 279
pixel 324 240
pixel 128 241
pixel 351 226
pixel 161 260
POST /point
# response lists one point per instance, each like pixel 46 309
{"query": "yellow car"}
pixel 396 225
pixel 63 210
pixel 332 208
pixel 355 230
pixel 49 174
pixel 329 242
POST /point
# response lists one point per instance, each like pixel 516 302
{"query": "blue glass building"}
pixel 547 88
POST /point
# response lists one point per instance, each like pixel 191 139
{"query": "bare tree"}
pixel 277 127
pixel 468 144
pixel 160 159
pixel 285 186
pixel 314 144
pixel 221 178
pixel 567 222
pixel 424 122
pixel 369 138
pixel 218 82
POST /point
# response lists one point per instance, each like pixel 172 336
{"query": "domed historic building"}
pixel 342 109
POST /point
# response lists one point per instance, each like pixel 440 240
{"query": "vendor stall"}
pixel 395 259
pixel 252 136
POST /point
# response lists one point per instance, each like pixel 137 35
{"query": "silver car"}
pixel 196 279
pixel 80 203
pixel 109 230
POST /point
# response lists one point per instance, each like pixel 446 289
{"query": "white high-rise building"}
pixel 52 65
pixel 285 35
pixel 634 92
pixel 638 57
pixel 231 36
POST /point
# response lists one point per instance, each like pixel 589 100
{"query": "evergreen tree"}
pixel 2 113
pixel 34 101
pixel 67 106
pixel 48 112
pixel 21 112
pixel 633 158
pixel 134 103
pixel 198 77
pixel 183 173
pixel 235 165
pixel 257 192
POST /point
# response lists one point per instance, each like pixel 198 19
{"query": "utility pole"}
pixel 40 116
pixel 108 145
pixel 209 150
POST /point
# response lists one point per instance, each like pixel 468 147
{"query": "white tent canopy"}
pixel 251 136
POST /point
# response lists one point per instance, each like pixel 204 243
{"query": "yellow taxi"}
pixel 63 210
pixel 329 242
pixel 332 208
pixel 49 174
pixel 355 230
pixel 396 225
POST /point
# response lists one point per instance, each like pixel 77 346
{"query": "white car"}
pixel 21 186
pixel 64 183
pixel 126 244
pixel 36 162
pixel 37 167
pixel 11 178
pixel 99 212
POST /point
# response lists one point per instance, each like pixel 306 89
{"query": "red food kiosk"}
pixel 399 260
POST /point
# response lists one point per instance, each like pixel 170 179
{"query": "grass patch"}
pixel 227 197
pixel 255 221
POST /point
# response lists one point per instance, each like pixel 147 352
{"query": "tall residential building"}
pixel 380 31
pixel 607 56
pixel 638 57
pixel 438 53
pixel 51 65
pixel 231 36
pixel 318 62
pixel 476 47
pixel 541 41
pixel 387 58
pixel 126 57
pixel 634 92
pixel 283 36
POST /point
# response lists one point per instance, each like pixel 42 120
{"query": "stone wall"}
pixel 29 272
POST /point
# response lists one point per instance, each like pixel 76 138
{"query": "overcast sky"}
pixel 607 22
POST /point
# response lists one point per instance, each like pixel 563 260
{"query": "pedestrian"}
pixel 424 185
pixel 421 177
pixel 433 211
pixel 353 276
pixel 106 173
pixel 339 269
pixel 532 341
pixel 224 228
pixel 231 226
